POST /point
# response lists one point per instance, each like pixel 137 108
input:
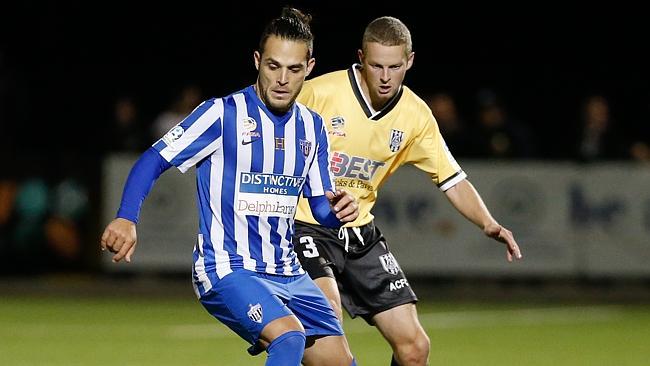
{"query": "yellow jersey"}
pixel 367 146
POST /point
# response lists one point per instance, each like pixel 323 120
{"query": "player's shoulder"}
pixel 416 107
pixel 413 101
pixel 211 101
pixel 329 81
pixel 206 105
pixel 226 101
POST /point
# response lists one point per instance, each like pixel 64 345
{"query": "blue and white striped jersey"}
pixel 251 167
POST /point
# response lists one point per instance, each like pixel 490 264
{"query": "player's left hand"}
pixel 500 233
pixel 344 205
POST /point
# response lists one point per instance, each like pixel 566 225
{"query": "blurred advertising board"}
pixel 569 219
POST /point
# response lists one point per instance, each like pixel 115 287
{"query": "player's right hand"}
pixel 120 237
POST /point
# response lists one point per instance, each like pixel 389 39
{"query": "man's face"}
pixel 384 68
pixel 283 67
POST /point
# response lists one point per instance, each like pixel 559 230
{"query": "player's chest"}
pixel 378 140
pixel 265 147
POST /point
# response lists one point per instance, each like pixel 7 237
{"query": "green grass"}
pixel 79 331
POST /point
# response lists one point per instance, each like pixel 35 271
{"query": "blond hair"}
pixel 387 31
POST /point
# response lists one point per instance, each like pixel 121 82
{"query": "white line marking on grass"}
pixel 446 320
pixel 58 330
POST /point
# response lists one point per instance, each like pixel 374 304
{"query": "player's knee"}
pixel 341 356
pixel 286 349
pixel 343 360
pixel 422 345
pixel 331 351
pixel 415 350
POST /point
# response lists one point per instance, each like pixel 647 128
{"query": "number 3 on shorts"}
pixel 312 251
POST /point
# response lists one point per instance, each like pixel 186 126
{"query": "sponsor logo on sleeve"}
pixel 173 135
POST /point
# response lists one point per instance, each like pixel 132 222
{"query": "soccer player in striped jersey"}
pixel 255 152
pixel 376 124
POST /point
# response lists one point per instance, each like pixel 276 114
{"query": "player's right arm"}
pixel 120 236
pixel 193 139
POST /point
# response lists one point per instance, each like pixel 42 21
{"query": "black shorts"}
pixel 369 278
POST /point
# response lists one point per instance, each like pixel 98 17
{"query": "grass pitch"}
pixel 62 331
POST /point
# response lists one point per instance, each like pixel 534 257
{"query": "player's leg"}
pixel 331 291
pixel 330 351
pixel 402 329
pixel 284 340
pixel 252 307
pixel 373 286
pixel 326 345
pixel 320 253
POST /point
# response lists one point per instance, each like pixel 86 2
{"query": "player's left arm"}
pixel 343 204
pixel 334 209
pixel 464 197
pixel 330 206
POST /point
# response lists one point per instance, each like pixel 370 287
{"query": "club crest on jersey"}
pixel 338 123
pixel 305 147
pixel 396 137
pixel 173 135
pixel 255 313
pixel 389 263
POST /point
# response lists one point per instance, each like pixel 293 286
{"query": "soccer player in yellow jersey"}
pixel 376 124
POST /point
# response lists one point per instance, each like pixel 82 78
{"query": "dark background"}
pixel 62 65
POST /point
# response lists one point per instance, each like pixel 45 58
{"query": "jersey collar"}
pixel 364 103
pixel 276 119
